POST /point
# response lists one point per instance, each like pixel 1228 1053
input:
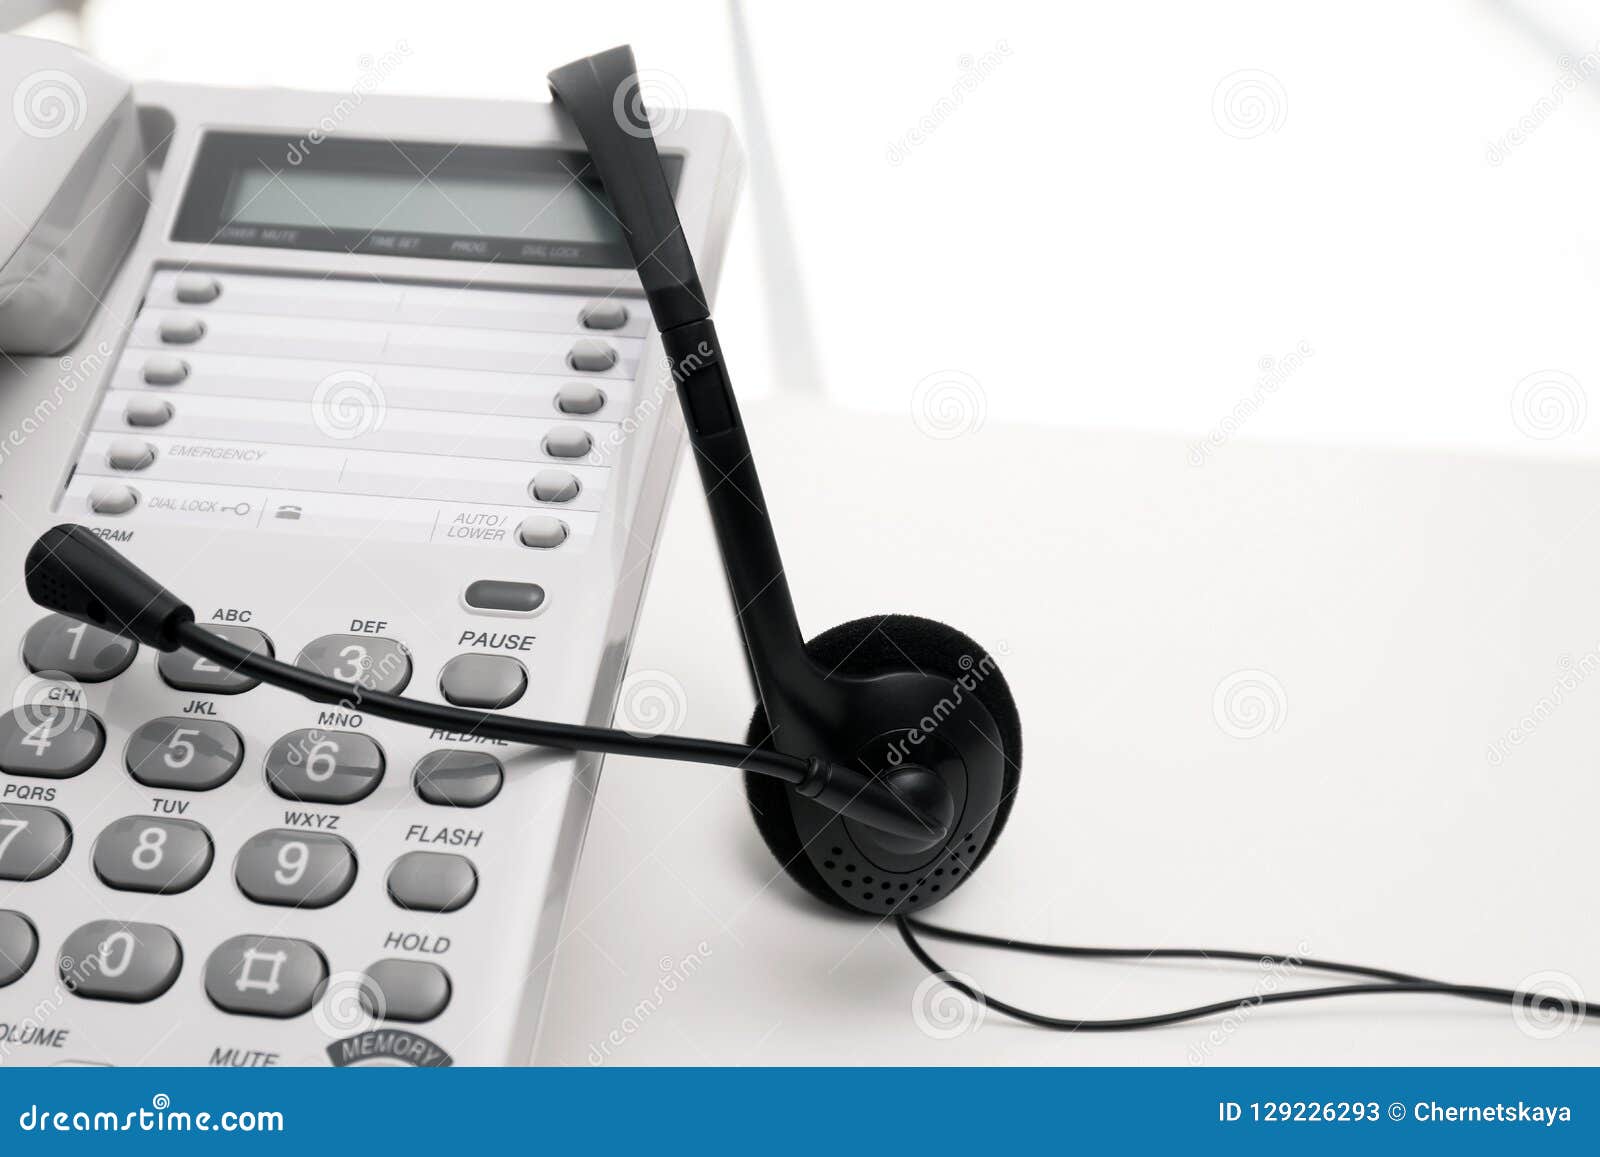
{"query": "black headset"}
pixel 884 754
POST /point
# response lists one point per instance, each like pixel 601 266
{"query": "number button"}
pixel 135 854
pixel 19 945
pixel 191 754
pixel 295 869
pixel 378 664
pixel 315 766
pixel 432 881
pixel 265 976
pixel 112 960
pixel 57 644
pixel 49 741
pixel 33 841
pixel 189 672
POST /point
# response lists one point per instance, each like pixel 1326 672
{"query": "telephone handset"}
pixel 72 180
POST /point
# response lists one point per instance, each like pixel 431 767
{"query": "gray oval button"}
pixel 541 531
pixel 184 752
pixel 458 778
pixel 294 868
pixel 265 976
pixel 567 442
pixel 33 841
pixel 591 355
pixel 164 370
pixel 112 498
pixel 19 945
pixel 113 960
pixel 579 398
pixel 49 741
pixel 189 672
pixel 407 990
pixel 181 329
pixel 135 854
pixel 432 881
pixel 75 649
pixel 603 315
pixel 554 486
pixel 316 766
pixel 143 410
pixel 376 663
pixel 490 681
pixel 196 288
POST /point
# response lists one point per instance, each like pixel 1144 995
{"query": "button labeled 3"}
pixel 377 663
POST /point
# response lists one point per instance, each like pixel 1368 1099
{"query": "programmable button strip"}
pixel 298 405
pixel 247 974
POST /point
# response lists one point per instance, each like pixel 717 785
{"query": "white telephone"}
pixel 383 397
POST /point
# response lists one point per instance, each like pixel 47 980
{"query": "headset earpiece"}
pixel 921 695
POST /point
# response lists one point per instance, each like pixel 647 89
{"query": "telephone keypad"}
pixel 265 975
pixel 405 990
pixel 292 868
pixel 59 645
pixel 377 663
pixel 114 960
pixel 187 753
pixel 487 681
pixel 33 841
pixel 140 854
pixel 19 946
pixel 458 778
pixel 189 672
pixel 316 766
pixel 432 881
pixel 49 741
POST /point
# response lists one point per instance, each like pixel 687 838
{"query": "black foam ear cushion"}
pixel 866 647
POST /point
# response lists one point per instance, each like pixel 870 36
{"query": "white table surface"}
pixel 1405 608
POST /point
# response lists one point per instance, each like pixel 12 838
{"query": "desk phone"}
pixel 372 376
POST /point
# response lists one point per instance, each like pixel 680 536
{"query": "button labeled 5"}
pixel 191 754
